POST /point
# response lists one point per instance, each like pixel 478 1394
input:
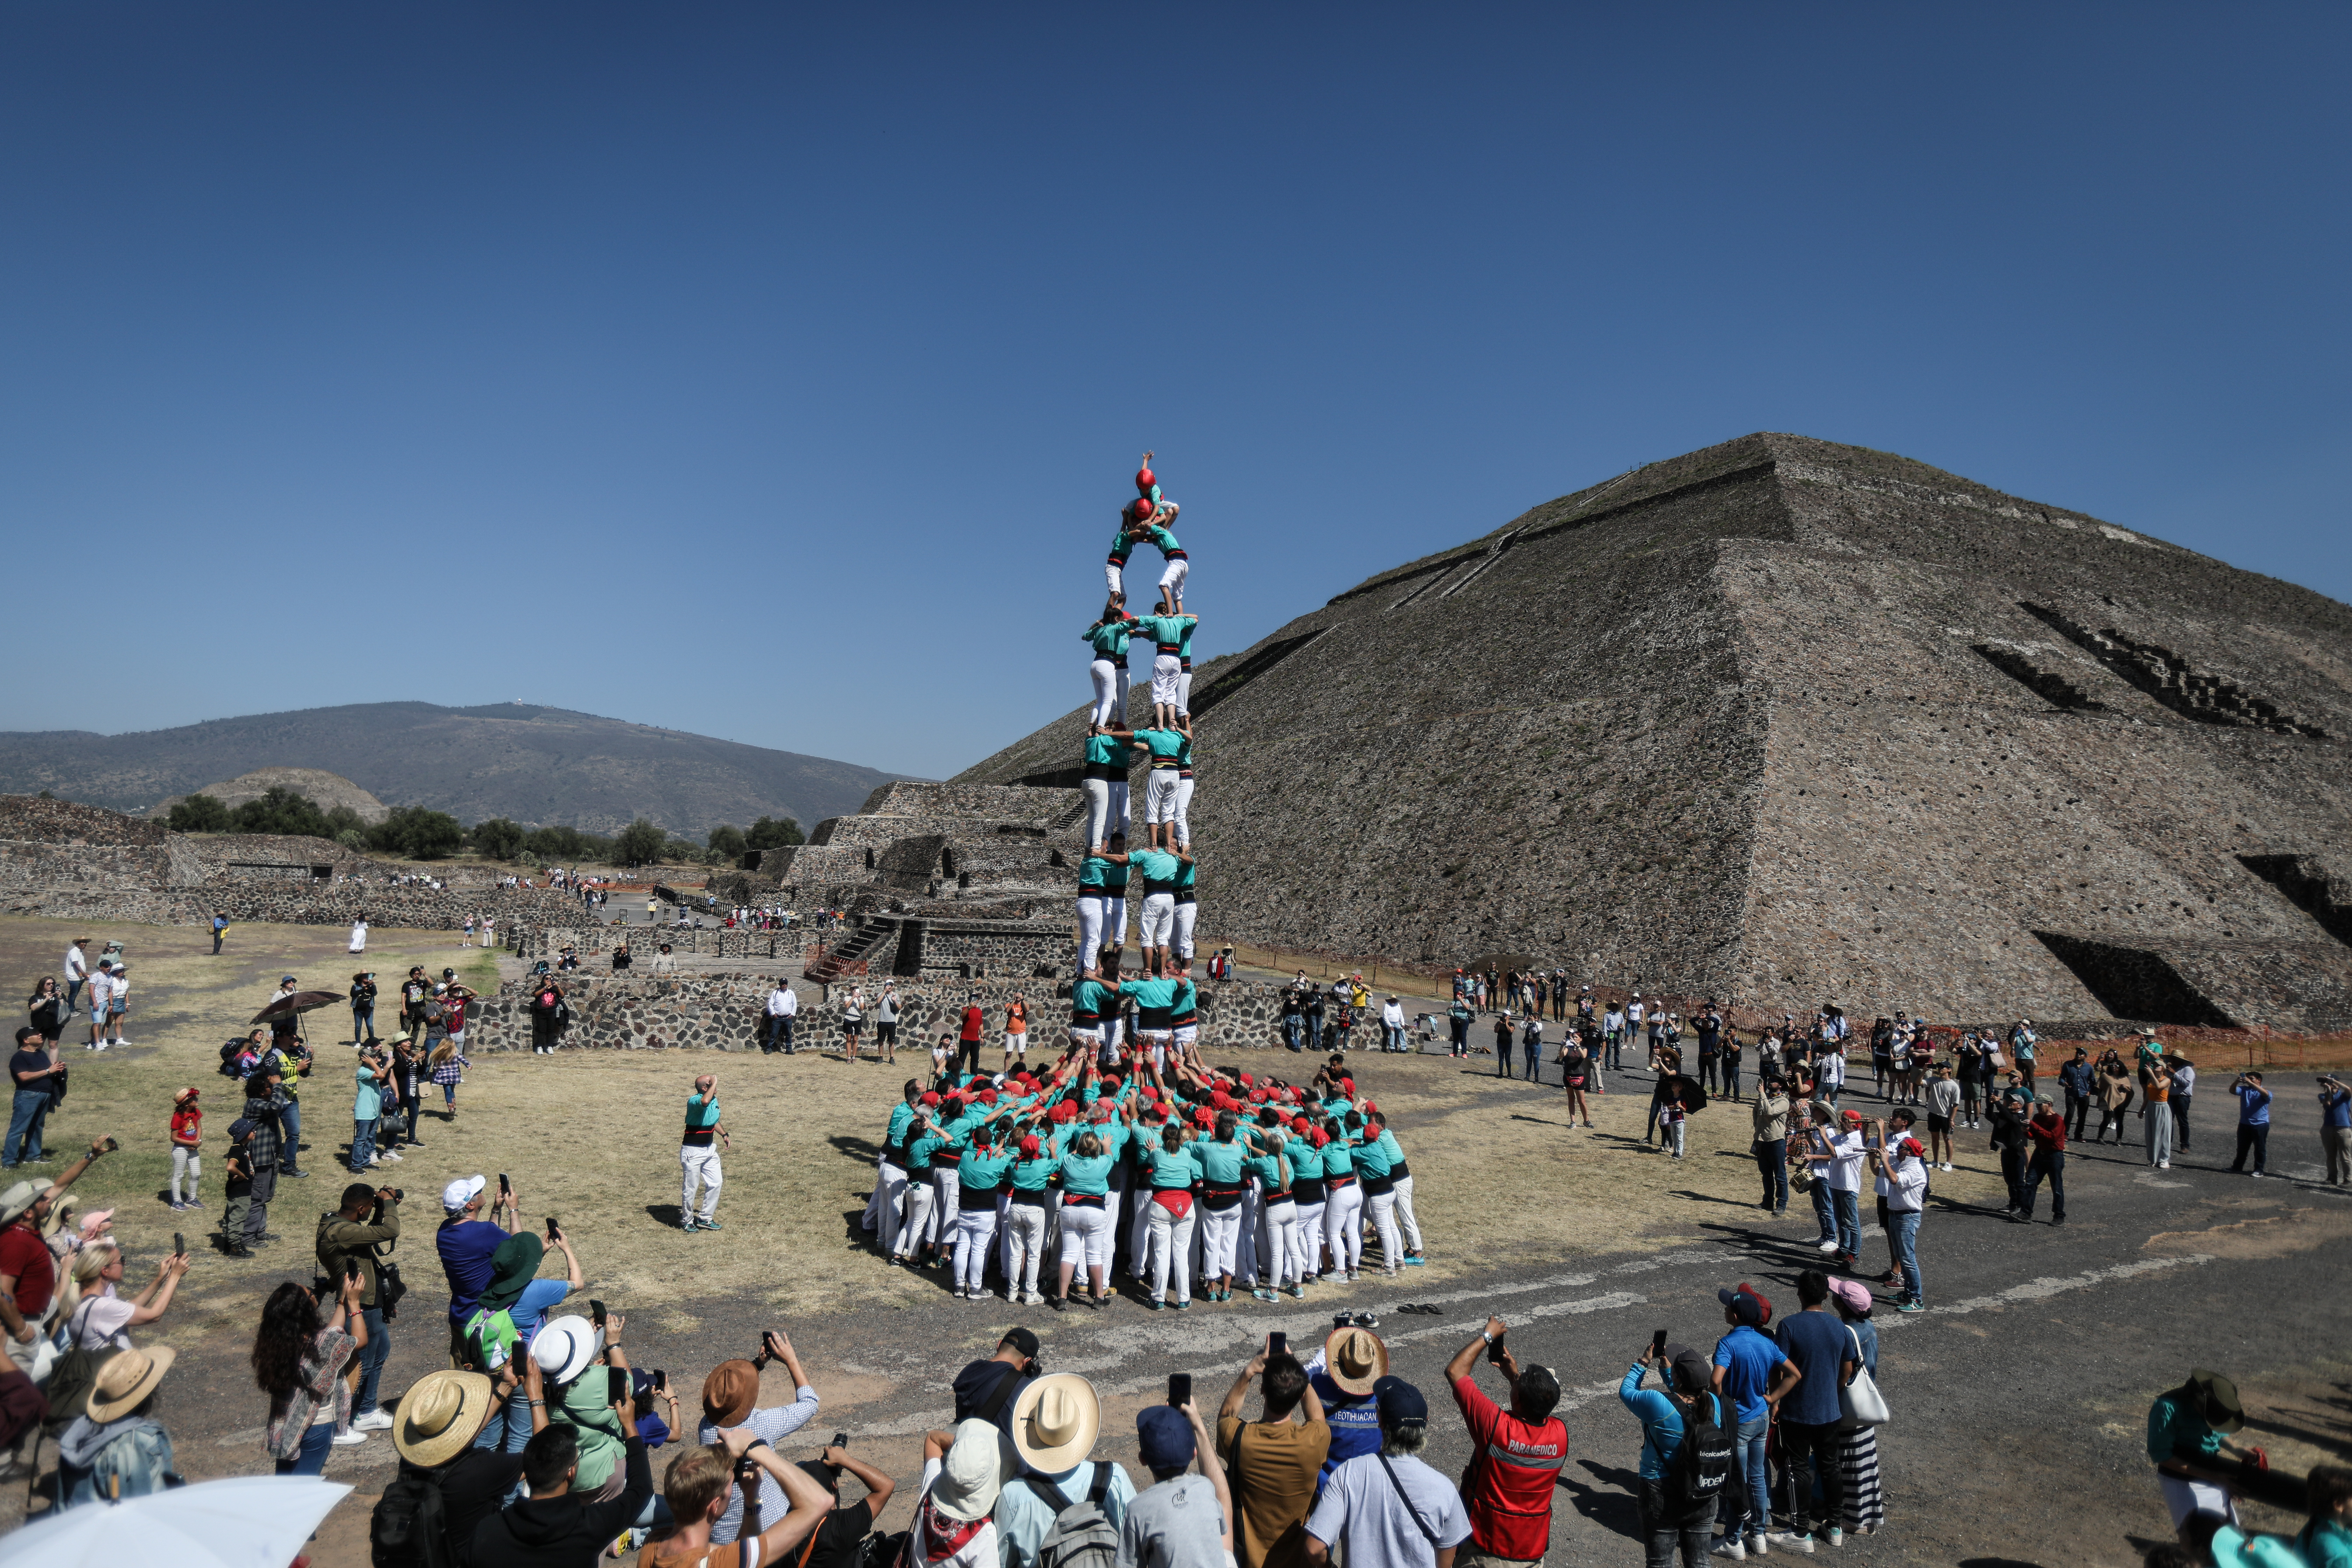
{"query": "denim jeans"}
pixel 1291 1025
pixel 289 1158
pixel 1755 1501
pixel 1848 1208
pixel 1531 1054
pixel 2254 1141
pixel 73 995
pixel 1772 1161
pixel 1731 1077
pixel 1905 1236
pixel 1824 1211
pixel 312 1459
pixel 2049 1163
pixel 371 1356
pixel 362 1146
pixel 1393 1037
pixel 364 1022
pixel 30 1108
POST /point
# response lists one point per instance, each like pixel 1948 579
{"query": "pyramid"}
pixel 1784 721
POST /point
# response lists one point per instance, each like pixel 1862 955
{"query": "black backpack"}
pixel 1703 1463
pixel 409 1528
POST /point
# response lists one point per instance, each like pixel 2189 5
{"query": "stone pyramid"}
pixel 1785 722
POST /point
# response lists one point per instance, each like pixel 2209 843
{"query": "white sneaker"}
pixel 2167 1165
pixel 1756 1547
pixel 1837 1535
pixel 1729 1547
pixel 1829 1246
pixel 1947 1165
pixel 388 1155
pixel 1790 1541
pixel 349 1438
pixel 374 1421
pixel 2256 1175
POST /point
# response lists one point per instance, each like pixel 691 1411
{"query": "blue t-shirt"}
pixel 1748 1359
pixel 466 1252
pixel 2253 1107
pixel 1816 1342
pixel 531 1308
pixel 2336 1111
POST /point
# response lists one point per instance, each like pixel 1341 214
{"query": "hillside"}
pixel 1782 720
pixel 537 765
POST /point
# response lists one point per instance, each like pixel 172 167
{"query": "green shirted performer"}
pixel 697 1156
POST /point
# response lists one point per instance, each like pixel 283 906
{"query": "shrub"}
pixel 771 833
pixel 640 843
pixel 198 814
pixel 498 838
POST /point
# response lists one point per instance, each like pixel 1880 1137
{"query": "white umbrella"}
pixel 246 1521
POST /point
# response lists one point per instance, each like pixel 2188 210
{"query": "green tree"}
pixel 772 833
pixel 198 814
pixel 640 843
pixel 499 839
pixel 280 810
pixel 726 843
pixel 352 839
pixel 684 850
pixel 419 833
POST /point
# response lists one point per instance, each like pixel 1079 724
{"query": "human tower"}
pixel 1167 1012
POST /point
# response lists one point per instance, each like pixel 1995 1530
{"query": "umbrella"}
pixel 300 1002
pixel 248 1522
pixel 1685 1091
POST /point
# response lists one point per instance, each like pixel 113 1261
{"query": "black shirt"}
pixel 472 1486
pixel 564 1532
pixel 28 1061
pixel 976 1388
pixel 838 1537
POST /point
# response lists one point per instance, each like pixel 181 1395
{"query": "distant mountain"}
pixel 537 765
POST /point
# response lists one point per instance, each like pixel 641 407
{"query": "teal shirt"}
pixel 1029 1175
pixel 902 1117
pixel 1184 643
pixel 1391 1148
pixel 1109 638
pixel 1120 543
pixel 1163 745
pixel 1158 867
pixel 982 1169
pixel 1338 1159
pixel 1167 632
pixel 1107 751
pixel 1087 1178
pixel 1269 1171
pixel 1163 539
pixel 2173 1424
pixel 1305 1161
pixel 920 1151
pixel 1372 1159
pixel 1170 1172
pixel 1152 995
pixel 1114 876
pixel 1188 874
pixel 1221 1163
pixel 367 1102
pixel 701 1114
pixel 1096 872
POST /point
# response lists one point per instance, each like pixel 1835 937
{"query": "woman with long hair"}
pixel 447 1067
pixel 47 1007
pixel 853 1019
pixel 298 1358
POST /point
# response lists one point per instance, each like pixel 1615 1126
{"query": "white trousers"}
pixel 1404 1214
pixel 1343 1225
pixel 1184 693
pixel 1086 1235
pixel 914 1228
pixel 1090 912
pixel 947 1187
pixel 1099 821
pixel 1383 1208
pixel 1220 1230
pixel 1159 796
pixel 1108 680
pixel 973 1229
pixel 1112 574
pixel 1027 1227
pixel 1158 919
pixel 1182 815
pixel 699 1164
pixel 1171 579
pixel 1114 918
pixel 1171 1249
pixel 1139 1236
pixel 1167 674
pixel 1248 1262
pixel 1287 1259
pixel 1308 1239
pixel 1188 915
pixel 891 1190
pixel 1119 802
pixel 184 1163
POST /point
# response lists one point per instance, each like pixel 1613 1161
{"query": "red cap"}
pixel 988 1097
pixel 1145 479
pixel 931 1097
pixel 1298 1125
pixel 1247 1080
pixel 1319 1137
pixel 1370 1108
pixel 1029 1147
pixel 1258 1096
pixel 1854 1118
pixel 1910 1146
pixel 1349 1084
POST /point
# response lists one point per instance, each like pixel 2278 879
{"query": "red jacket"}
pixel 1508 1489
pixel 971 1022
pixel 2048 1130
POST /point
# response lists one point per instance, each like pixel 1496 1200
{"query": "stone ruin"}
pixel 1782 722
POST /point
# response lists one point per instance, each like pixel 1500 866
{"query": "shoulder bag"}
pixel 1859 1402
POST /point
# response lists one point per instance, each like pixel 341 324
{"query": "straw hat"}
pixel 1055 1422
pixel 440 1415
pixel 973 1472
pixel 126 1380
pixel 1355 1359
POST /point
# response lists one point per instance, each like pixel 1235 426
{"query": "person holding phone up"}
pixel 1276 1461
pixel 347 1246
pixel 1508 1489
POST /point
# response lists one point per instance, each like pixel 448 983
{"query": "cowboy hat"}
pixel 1355 1359
pixel 565 1346
pixel 440 1415
pixel 973 1472
pixel 1055 1422
pixel 126 1380
pixel 23 1195
pixel 729 1392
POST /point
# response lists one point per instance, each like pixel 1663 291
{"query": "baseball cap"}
pixel 1763 1303
pixel 1743 1305
pixel 1022 1340
pixel 1399 1401
pixel 461 1192
pixel 1165 1434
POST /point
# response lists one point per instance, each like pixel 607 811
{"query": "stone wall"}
pixel 31 818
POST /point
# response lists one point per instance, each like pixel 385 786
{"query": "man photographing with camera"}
pixel 730 1399
pixel 2336 1130
pixel 1508 1489
pixel 347 1244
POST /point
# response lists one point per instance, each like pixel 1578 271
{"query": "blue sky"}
pixel 593 354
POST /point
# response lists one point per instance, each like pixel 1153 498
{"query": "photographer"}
pixel 1670 1519
pixel 1507 1491
pixel 990 1389
pixel 2336 1130
pixel 700 1490
pixel 1274 1464
pixel 2253 1123
pixel 579 1499
pixel 729 1396
pixel 347 1245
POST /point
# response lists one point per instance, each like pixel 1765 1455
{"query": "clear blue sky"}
pixel 582 353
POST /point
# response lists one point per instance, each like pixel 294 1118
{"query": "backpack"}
pixel 1703 1463
pixel 1083 1535
pixel 71 1377
pixel 408 1528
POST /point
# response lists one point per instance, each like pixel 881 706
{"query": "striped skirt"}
pixel 1865 1506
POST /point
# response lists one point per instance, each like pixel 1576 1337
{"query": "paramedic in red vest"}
pixel 968 1043
pixel 1516 1456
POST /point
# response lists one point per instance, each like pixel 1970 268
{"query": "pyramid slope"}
pixel 1785 720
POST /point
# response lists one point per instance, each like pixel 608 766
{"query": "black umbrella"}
pixel 300 1002
pixel 1685 1091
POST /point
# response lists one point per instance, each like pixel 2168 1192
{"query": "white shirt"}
pixel 1361 1507
pixel 100 984
pixel 2184 1081
pixel 1392 1015
pixel 1906 1189
pixel 1845 1172
pixel 779 1003
pixel 76 966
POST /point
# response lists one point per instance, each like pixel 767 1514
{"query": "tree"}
pixel 769 833
pixel 728 842
pixel 419 833
pixel 682 850
pixel 198 814
pixel 499 839
pixel 640 843
pixel 280 810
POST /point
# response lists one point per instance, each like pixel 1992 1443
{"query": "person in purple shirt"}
pixel 466 1243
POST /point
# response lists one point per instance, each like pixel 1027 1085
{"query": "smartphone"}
pixel 552 1232
pixel 1277 1343
pixel 841 1440
pixel 596 1312
pixel 616 1385
pixel 1180 1388
pixel 661 1380
pixel 351 1267
pixel 1657 1342
pixel 1494 1350
pixel 179 1245
pixel 503 1188
pixel 111 1145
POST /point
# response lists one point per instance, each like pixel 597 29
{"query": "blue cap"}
pixel 1400 1402
pixel 1166 1433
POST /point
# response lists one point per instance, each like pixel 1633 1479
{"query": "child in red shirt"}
pixel 187 1137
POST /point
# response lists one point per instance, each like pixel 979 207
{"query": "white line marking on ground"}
pixel 2048 1286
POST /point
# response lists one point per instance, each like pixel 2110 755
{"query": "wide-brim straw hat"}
pixel 126 1381
pixel 1055 1422
pixel 1355 1359
pixel 440 1416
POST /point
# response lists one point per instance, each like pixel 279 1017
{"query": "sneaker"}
pixel 1414 1260
pixel 1298 1292
pixel 351 1437
pixel 392 1155
pixel 1791 1541
pixel 1911 1306
pixel 1837 1536
pixel 710 1225
pixel 1154 1305
pixel 177 1206
pixel 374 1421
pixel 196 1203
pixel 2167 1165
pixel 1729 1547
pixel 1829 1246
pixel 1756 1547
pixel 2256 1175
pixel 1945 1167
